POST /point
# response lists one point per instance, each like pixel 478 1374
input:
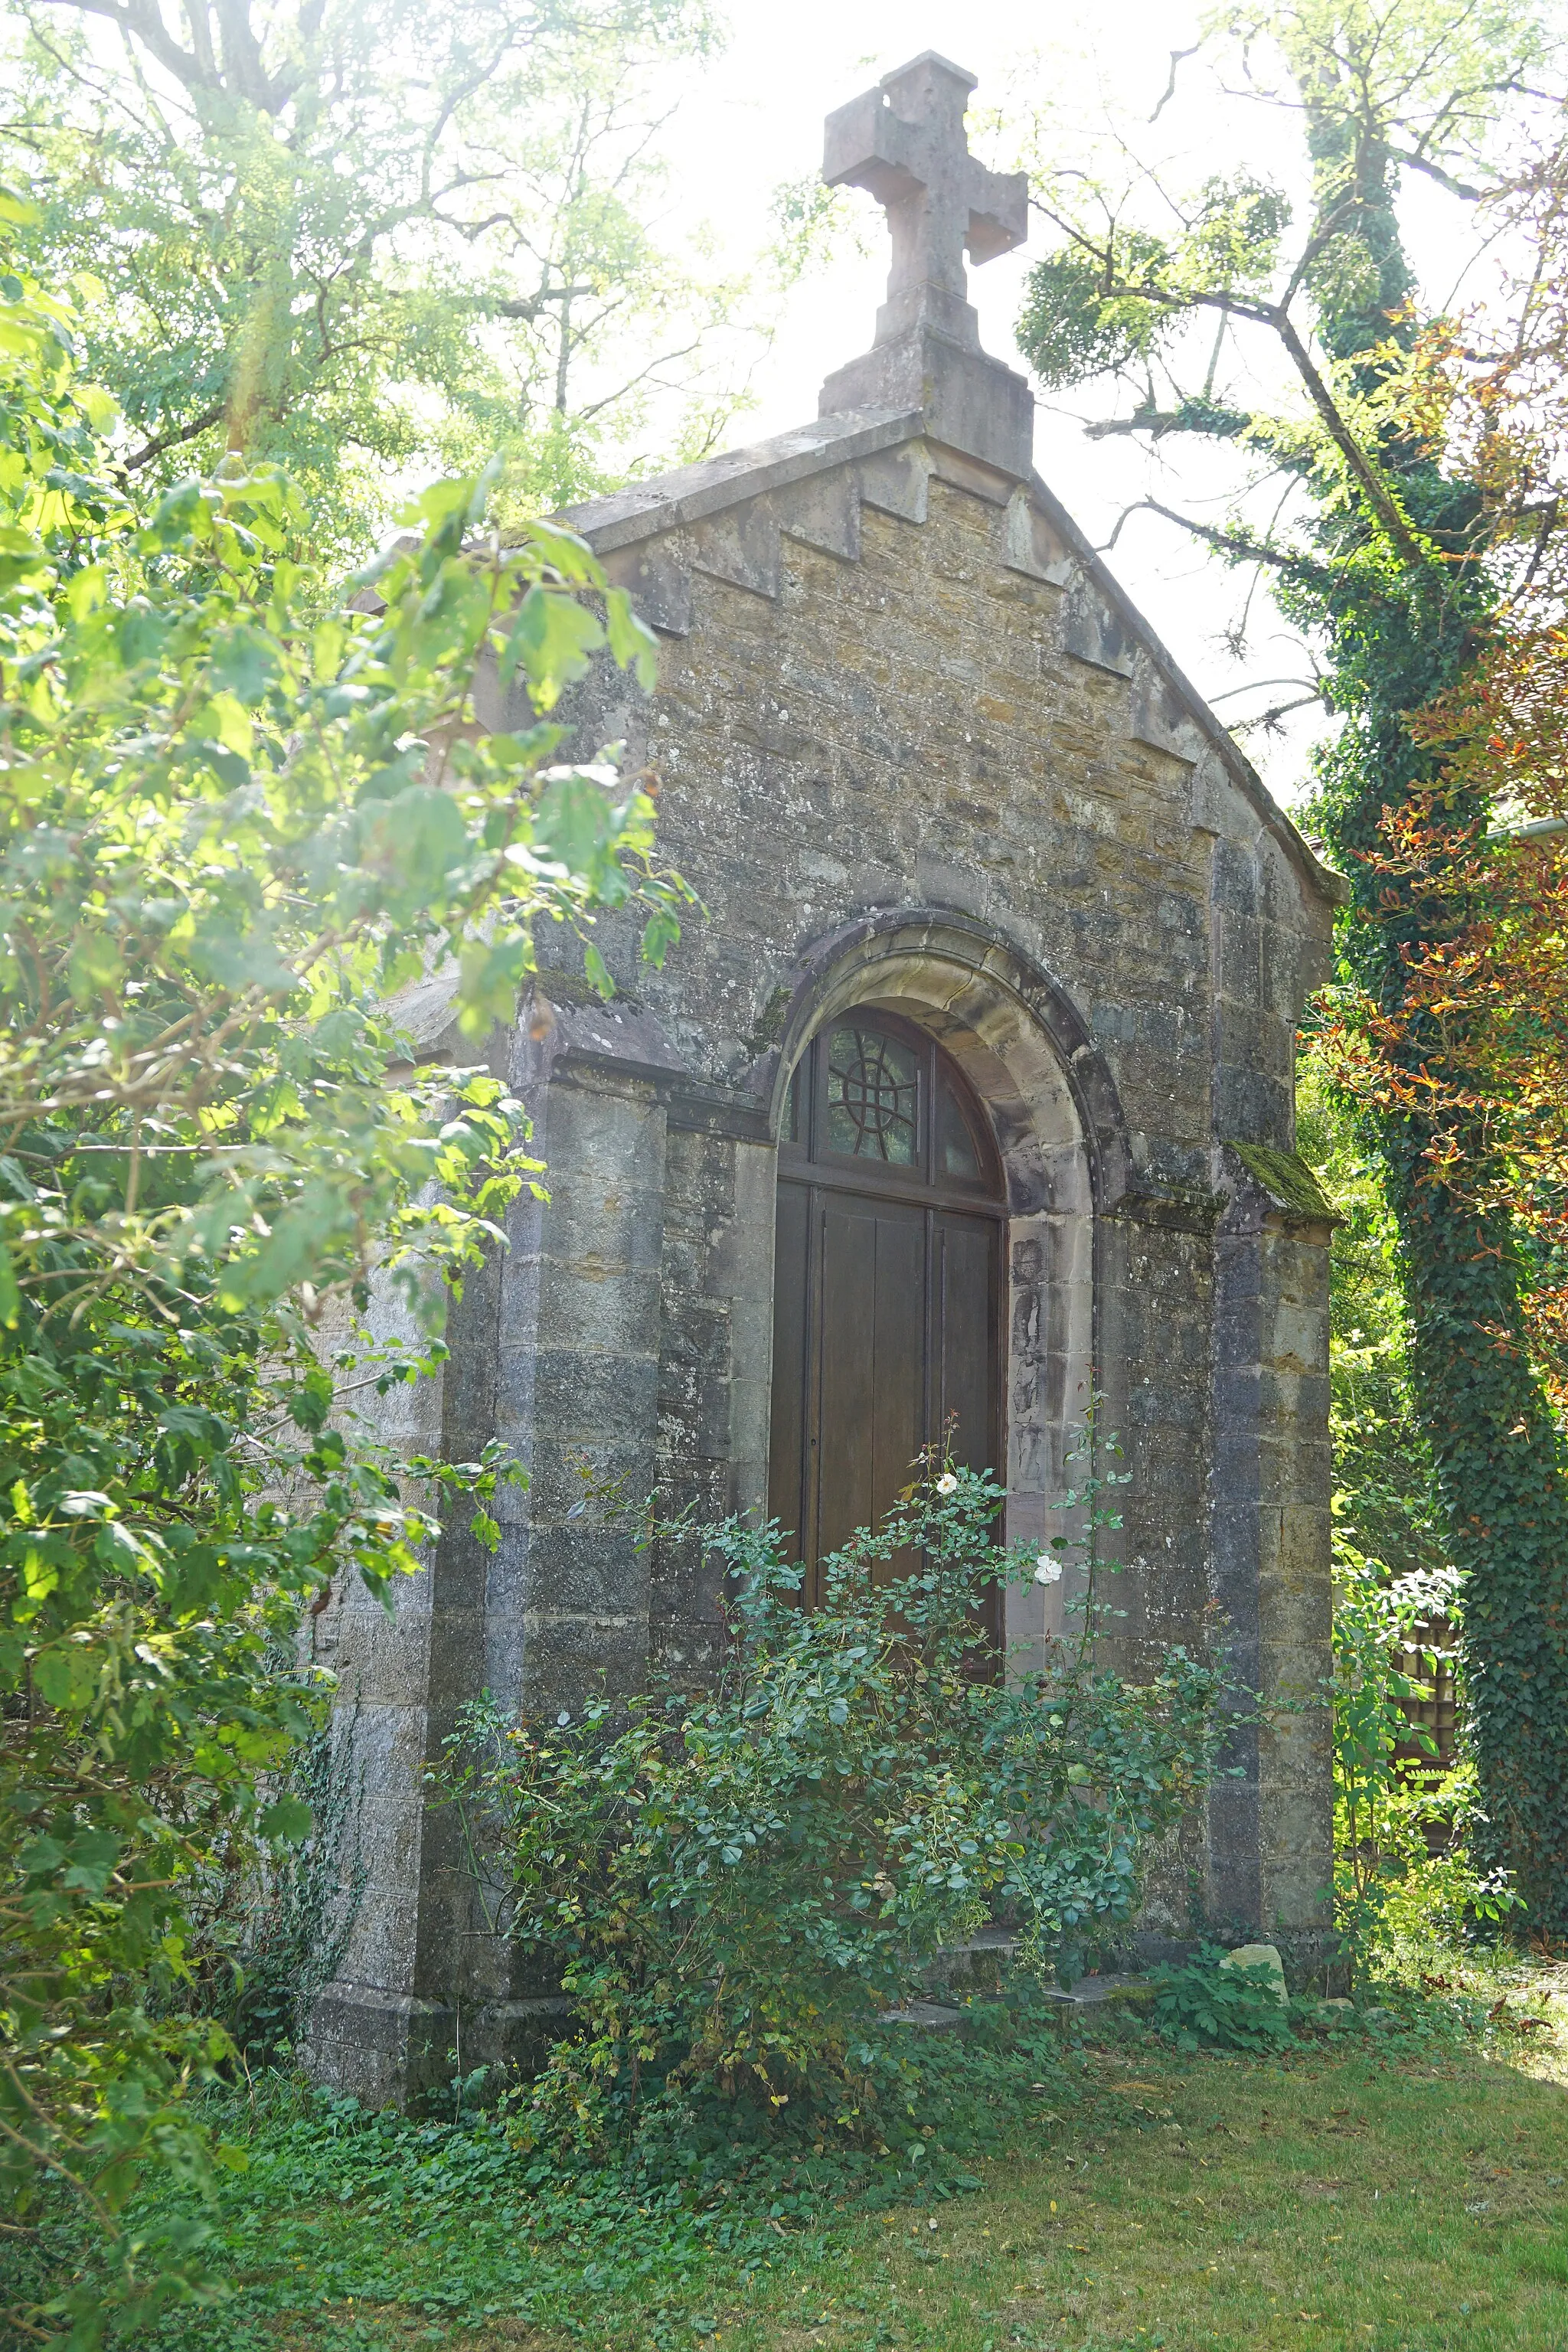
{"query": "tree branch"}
pixel 140 20
pixel 665 358
pixel 1273 716
pixel 1378 495
pixel 201 37
pixel 241 71
pixel 172 439
pixel 528 306
pixel 1228 543
pixel 1272 315
pixel 1436 171
pixel 1252 684
pixel 1178 56
pixel 1153 421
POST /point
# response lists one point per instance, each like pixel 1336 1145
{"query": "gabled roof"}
pixel 725 516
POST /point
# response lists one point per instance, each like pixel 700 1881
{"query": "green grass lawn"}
pixel 1318 2204
pixel 1402 2189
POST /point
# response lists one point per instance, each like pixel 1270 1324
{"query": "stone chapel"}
pixel 968 1096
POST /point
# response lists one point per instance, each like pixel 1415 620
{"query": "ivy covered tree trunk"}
pixel 1389 574
pixel 1497 1454
pixel 1495 1441
pixel 1398 638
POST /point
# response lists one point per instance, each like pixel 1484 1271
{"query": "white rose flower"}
pixel 1048 1570
pixel 947 1484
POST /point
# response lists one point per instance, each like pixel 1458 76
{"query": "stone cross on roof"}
pixel 904 142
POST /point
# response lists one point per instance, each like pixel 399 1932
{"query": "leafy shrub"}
pixel 1204 2005
pixel 1393 1893
pixel 241 810
pixel 733 1884
pixel 266 1931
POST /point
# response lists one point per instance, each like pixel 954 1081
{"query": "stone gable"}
pixel 929 715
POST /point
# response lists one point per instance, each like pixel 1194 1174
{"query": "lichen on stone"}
pixel 563 988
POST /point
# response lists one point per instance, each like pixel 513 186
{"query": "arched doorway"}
pixel 888 1278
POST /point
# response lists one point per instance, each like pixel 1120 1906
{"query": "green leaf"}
pixel 564 551
pixel 419 837
pixel 204 1432
pixel 115 1546
pixel 441 503
pixel 66 1677
pixel 96 967
pixel 632 642
pixel 571 823
pixel 243 663
pixel 91 1861
pixel 552 640
pixel 294 1251
pixel 84 1503
pixel 310 1404
pixel 660 933
pixel 490 975
pixel 87 592
pixel 287 1820
pixel 237 956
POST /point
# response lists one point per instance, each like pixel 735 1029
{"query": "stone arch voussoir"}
pixel 1012 1028
pixel 1027 1050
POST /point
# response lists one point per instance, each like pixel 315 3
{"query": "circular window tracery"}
pixel 873 1096
pixel 876 1093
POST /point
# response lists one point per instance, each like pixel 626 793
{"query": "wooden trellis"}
pixel 1437 1716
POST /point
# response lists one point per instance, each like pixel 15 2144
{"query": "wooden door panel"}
pixel 845 1348
pixel 886 1317
pixel 871 1350
pixel 966 1351
pixel 786 1443
pixel 899 1362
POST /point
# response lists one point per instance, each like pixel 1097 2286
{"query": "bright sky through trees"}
pixel 707 288
pixel 753 119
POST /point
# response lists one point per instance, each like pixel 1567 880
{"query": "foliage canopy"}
pixel 364 239
pixel 240 812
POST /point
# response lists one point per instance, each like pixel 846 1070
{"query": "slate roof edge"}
pixel 645 509
pixel 1323 878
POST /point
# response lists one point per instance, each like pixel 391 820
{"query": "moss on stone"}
pixel 562 987
pixel 1286 1176
pixel 769 1026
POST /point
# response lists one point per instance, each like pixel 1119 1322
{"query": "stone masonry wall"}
pixel 910 726
pixel 909 722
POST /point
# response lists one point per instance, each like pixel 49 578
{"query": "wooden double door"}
pixel 887 1281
